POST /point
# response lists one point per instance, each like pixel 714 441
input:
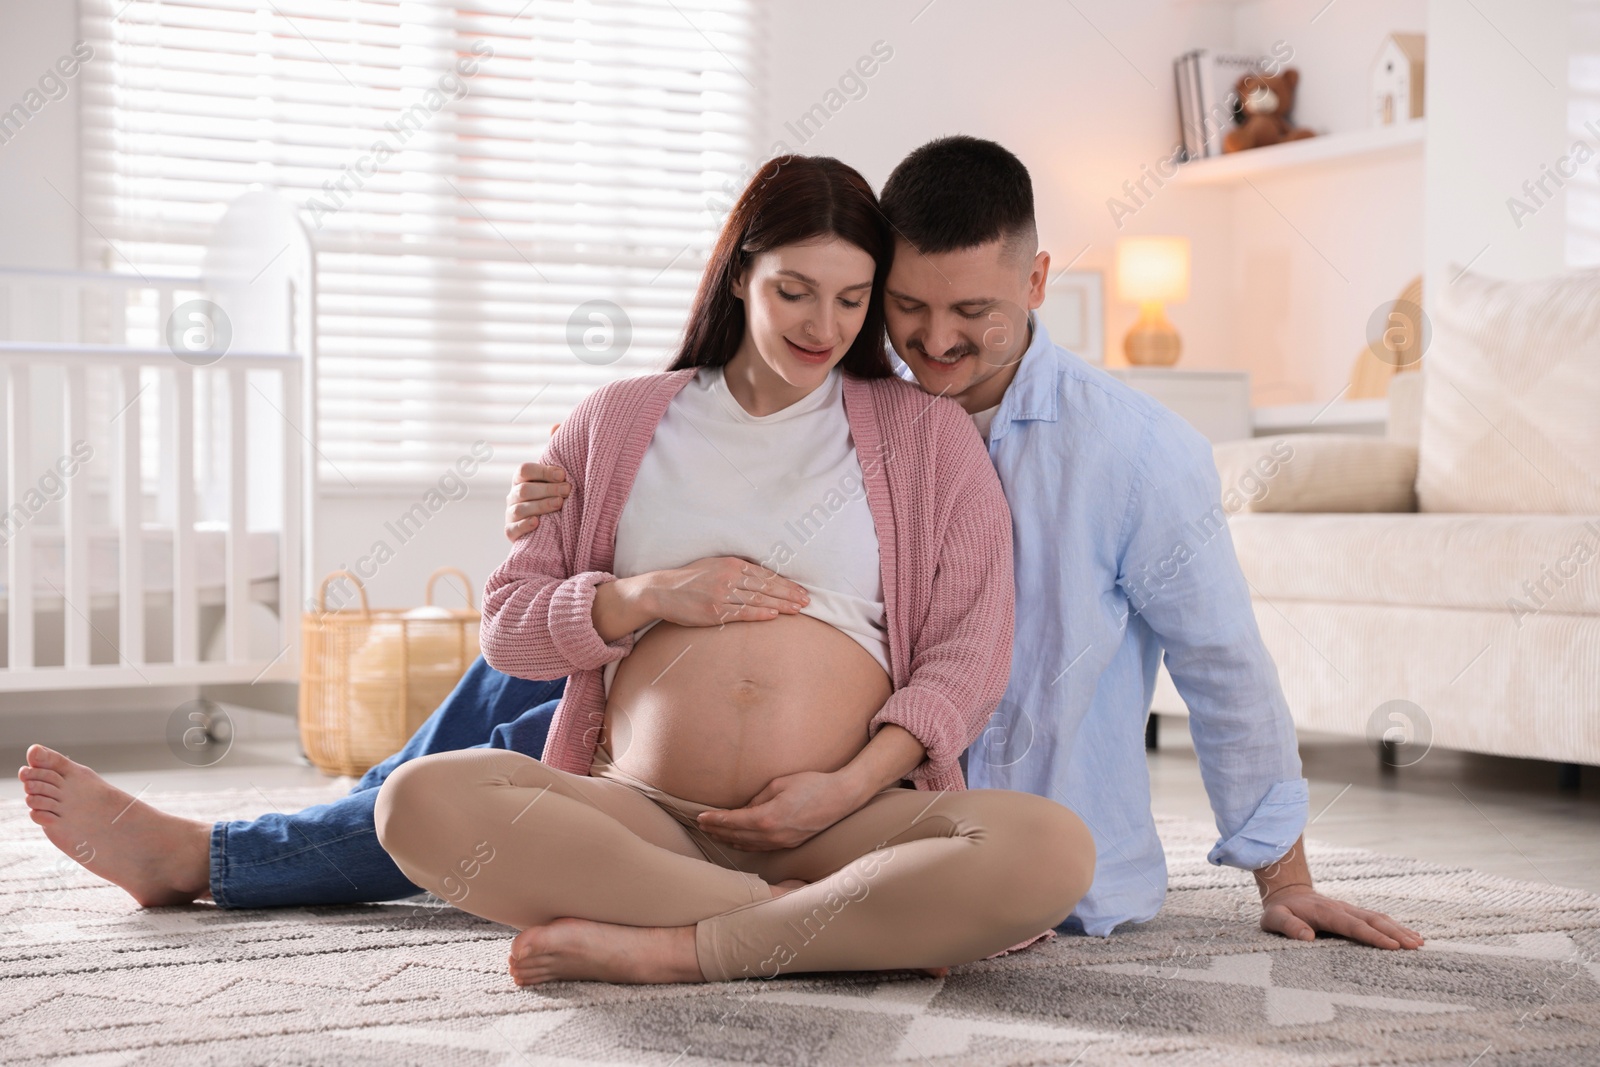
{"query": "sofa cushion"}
pixel 1509 418
pixel 1405 408
pixel 1316 472
pixel 1518 564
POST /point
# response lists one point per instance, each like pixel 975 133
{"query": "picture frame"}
pixel 1074 312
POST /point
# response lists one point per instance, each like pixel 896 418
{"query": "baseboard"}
pixel 133 716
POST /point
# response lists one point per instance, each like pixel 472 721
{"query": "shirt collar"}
pixel 1032 394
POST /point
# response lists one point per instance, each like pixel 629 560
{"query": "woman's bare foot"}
pixel 158 858
pixel 582 950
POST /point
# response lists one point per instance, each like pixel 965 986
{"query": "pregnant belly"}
pixel 712 714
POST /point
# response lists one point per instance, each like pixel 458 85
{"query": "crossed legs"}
pixel 607 884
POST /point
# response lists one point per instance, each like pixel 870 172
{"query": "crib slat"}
pixel 238 577
pixel 117 316
pixel 164 305
pixel 72 302
pixel 25 312
pixel 292 585
pixel 130 570
pixel 17 520
pixel 185 625
pixel 75 521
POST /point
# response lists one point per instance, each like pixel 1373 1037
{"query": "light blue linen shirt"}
pixel 1123 554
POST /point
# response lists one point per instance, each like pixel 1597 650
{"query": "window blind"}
pixel 511 200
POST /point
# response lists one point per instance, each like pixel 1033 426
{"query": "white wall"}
pixel 1317 251
pixel 1315 254
pixel 38 228
pixel 464 533
pixel 1497 92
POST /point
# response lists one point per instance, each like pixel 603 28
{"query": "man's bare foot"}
pixel 158 858
pixel 586 951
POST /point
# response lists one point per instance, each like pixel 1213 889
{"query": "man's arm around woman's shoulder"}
pixel 537 606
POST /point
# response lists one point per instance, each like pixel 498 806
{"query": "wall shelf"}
pixel 1314 153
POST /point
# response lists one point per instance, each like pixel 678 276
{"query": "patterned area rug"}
pixel 1511 975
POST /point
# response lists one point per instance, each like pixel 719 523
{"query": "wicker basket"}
pixel 369 678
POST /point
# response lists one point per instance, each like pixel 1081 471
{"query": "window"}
pixel 511 200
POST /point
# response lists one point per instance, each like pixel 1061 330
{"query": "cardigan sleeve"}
pixel 961 657
pixel 537 614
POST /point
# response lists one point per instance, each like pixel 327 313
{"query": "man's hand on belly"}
pixel 788 812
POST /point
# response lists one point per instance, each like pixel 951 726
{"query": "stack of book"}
pixel 1208 105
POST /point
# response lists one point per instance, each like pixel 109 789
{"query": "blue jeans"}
pixel 330 854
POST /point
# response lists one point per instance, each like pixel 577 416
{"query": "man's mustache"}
pixel 958 350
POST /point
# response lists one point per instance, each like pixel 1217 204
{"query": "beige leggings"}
pixel 911 879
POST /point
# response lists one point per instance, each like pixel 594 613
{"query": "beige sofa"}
pixel 1441 586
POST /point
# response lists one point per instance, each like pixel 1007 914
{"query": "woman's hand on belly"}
pixel 788 812
pixel 794 808
pixel 720 589
pixel 707 592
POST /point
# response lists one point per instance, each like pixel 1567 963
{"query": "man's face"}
pixel 960 319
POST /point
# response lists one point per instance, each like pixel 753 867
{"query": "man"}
pixel 1103 483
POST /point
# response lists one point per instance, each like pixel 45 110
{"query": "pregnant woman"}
pixel 781 587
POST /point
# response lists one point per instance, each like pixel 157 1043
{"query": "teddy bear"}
pixel 1265 103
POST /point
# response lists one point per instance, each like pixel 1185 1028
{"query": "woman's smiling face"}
pixel 804 306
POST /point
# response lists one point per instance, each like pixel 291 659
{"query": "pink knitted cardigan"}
pixel 944 541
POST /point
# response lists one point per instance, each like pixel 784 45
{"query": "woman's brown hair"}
pixel 791 199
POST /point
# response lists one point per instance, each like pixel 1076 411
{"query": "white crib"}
pixel 157 507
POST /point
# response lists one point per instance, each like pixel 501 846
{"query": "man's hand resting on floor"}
pixel 1292 907
pixel 537 489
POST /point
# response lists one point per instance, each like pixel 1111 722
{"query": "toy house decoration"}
pixel 1397 79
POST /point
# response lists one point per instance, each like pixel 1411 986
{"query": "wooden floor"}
pixel 1503 816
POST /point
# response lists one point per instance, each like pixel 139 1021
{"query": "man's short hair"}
pixel 960 192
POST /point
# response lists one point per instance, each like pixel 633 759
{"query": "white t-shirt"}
pixel 984 419
pixel 784 490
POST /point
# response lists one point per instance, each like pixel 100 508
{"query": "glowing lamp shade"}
pixel 1153 271
pixel 1153 268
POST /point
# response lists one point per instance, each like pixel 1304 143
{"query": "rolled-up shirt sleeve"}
pixel 1277 823
pixel 1181 576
